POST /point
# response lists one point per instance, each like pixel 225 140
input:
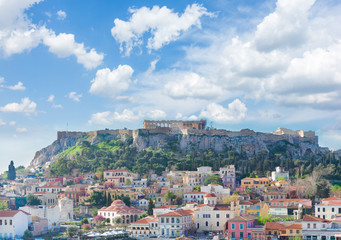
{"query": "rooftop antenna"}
pixel 67 126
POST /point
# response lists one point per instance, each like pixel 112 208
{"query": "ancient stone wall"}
pixel 61 134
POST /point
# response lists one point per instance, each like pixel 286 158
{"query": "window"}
pixel 206 224
pixel 297 231
pixel 314 226
pixel 233 234
pixel 162 220
pixel 241 235
pixel 227 215
pixel 318 216
pixel 217 224
pixel 290 231
pixel 241 226
pixel 167 220
pixel 173 220
pixel 198 225
pixel 0 222
pixel 10 222
pixel 218 216
pixel 318 209
pixel 333 209
pixel 5 222
pixel 324 216
pixel 232 226
pixel 324 209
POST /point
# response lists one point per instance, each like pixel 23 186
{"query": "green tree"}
pixel 11 171
pixel 32 200
pixel 72 231
pixel 143 215
pixel 323 189
pixel 97 198
pixel 3 206
pixel 84 221
pixel 150 207
pixel 128 182
pixel 109 200
pixel 169 196
pixel 212 179
pixel 117 220
pixel 196 189
pixel 27 235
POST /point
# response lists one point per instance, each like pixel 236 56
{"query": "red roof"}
pixel 295 226
pixel 310 218
pixel 274 226
pixel 210 195
pixel 165 206
pixel 11 213
pixel 178 213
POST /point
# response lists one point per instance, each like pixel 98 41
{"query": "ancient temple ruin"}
pixel 201 124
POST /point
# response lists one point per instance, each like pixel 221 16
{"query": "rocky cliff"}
pixel 184 141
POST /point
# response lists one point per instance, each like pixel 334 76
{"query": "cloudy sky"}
pixel 86 64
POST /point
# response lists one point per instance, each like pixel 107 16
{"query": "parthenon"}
pixel 201 124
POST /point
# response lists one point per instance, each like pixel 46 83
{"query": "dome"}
pixel 210 195
pixel 117 202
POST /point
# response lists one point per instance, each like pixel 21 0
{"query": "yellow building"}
pixel 259 209
pixel 255 182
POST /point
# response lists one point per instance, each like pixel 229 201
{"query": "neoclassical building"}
pixel 119 209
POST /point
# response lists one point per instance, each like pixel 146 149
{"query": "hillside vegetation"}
pixel 121 153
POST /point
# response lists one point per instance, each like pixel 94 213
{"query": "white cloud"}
pixel 107 118
pixel 18 33
pixel 18 87
pixel 57 106
pixel 156 114
pixel 192 85
pixel 64 45
pixel 2 79
pixel 286 27
pixel 21 130
pixel 111 83
pixel 61 15
pixel 26 106
pixel 50 98
pixel 2 123
pixel 74 96
pixel 235 111
pixel 12 123
pixel 164 25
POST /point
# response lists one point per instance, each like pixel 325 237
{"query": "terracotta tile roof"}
pixel 331 198
pixel 165 206
pixel 195 193
pixel 274 226
pixel 295 226
pixel 243 218
pixel 11 213
pixel 290 200
pixel 191 203
pixel 143 221
pixel 310 218
pixel 210 195
pixel 179 213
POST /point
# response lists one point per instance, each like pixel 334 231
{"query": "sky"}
pixel 84 65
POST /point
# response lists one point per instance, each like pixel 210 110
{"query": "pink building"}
pixel 243 227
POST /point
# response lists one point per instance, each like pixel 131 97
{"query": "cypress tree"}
pixel 11 171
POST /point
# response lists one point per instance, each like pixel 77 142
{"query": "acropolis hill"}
pixel 187 136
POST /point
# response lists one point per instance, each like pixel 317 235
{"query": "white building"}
pixel 212 218
pixel 175 224
pixel 51 213
pixel 13 224
pixel 197 197
pixel 218 190
pixel 279 173
pixel 163 209
pixel 119 209
pixel 228 176
pixel 314 228
pixel 329 208
pixel 143 203
pixel 145 227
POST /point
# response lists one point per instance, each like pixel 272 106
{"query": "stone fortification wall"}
pixel 300 133
pixel 69 134
pixel 111 132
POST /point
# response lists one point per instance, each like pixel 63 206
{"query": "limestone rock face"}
pixel 244 141
pixel 48 153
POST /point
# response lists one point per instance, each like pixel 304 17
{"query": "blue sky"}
pixel 85 65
